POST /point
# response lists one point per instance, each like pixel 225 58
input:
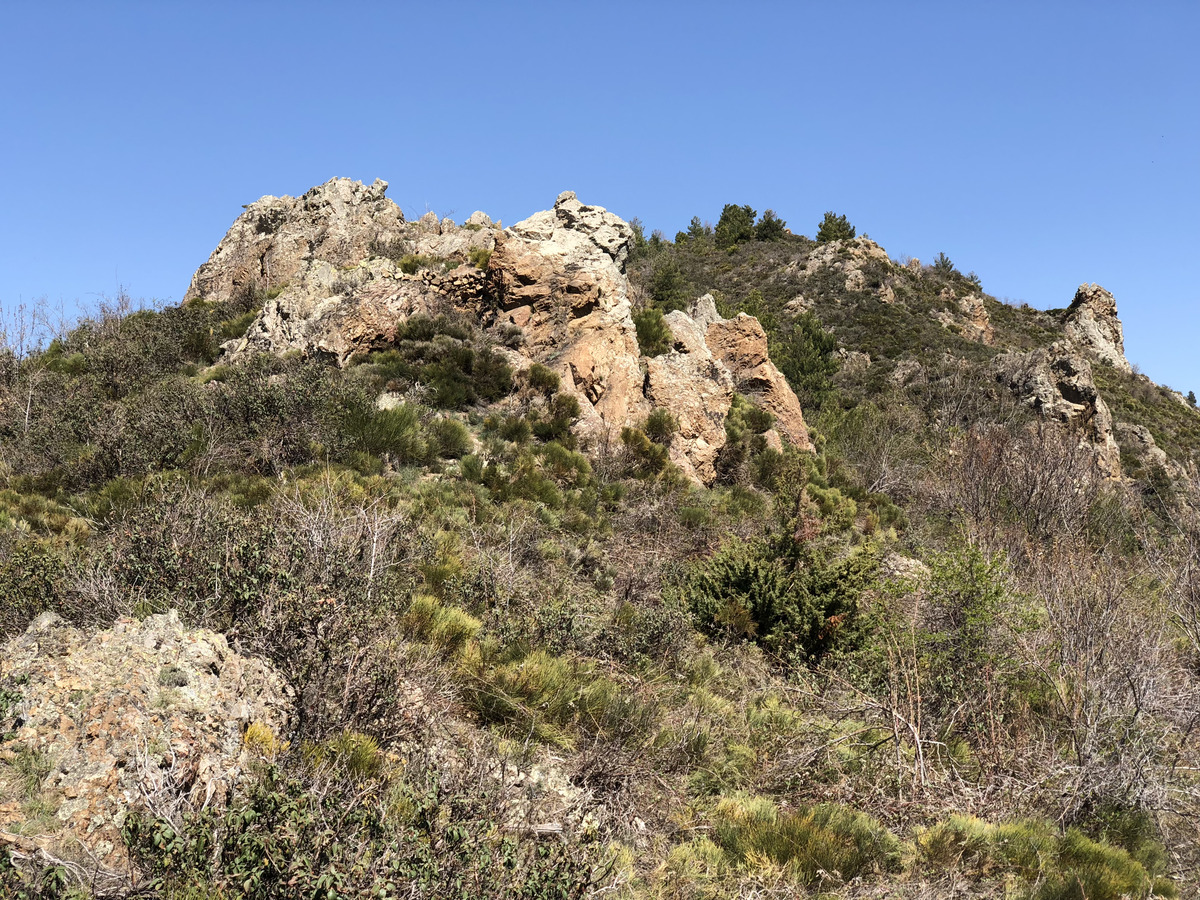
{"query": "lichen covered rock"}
pixel 1092 325
pixel 1057 383
pixel 106 720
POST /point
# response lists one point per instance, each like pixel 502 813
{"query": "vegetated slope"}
pixel 550 634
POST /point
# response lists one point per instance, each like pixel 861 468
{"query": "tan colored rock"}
pixel 559 276
pixel 1093 326
pixel 314 259
pixel 120 714
pixel 741 344
pixel 697 390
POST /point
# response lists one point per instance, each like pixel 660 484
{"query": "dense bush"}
pixel 801 613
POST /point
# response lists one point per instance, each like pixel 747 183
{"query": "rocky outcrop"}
pixel 278 239
pixel 327 264
pixel 741 345
pixel 335 288
pixel 848 258
pixel 1058 384
pixel 1140 442
pixel 697 389
pixel 967 315
pixel 1092 325
pixel 559 276
pixel 110 718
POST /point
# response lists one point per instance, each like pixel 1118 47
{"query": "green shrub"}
pixel 736 226
pixel 396 432
pixel 661 426
pixel 943 266
pixel 543 380
pixel 451 437
pixel 554 697
pixel 647 458
pixel 800 613
pixel 447 628
pixel 770 227
pixel 299 834
pixel 479 257
pixel 235 328
pixel 669 287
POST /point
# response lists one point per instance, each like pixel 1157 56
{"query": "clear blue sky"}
pixel 1040 145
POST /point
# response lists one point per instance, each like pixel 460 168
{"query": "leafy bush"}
pixel 393 838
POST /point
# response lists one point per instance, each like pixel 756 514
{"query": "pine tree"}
pixel 834 228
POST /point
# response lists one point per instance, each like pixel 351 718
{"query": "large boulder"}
pixel 1057 383
pixel 697 389
pixel 1092 325
pixel 98 722
pixel 278 239
pixel 740 344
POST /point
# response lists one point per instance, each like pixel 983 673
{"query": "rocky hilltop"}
pixel 553 288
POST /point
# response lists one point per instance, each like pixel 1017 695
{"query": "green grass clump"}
pixel 553 698
pixel 447 628
pixel 826 843
pixel 1056 865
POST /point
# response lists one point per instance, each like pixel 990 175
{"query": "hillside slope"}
pixel 581 564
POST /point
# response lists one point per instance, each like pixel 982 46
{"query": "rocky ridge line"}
pixel 558 276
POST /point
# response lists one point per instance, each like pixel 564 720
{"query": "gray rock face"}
pixel 327 262
pixel 1092 325
pixel 1058 384
pixel 277 239
pixel 1139 439
pixel 968 315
